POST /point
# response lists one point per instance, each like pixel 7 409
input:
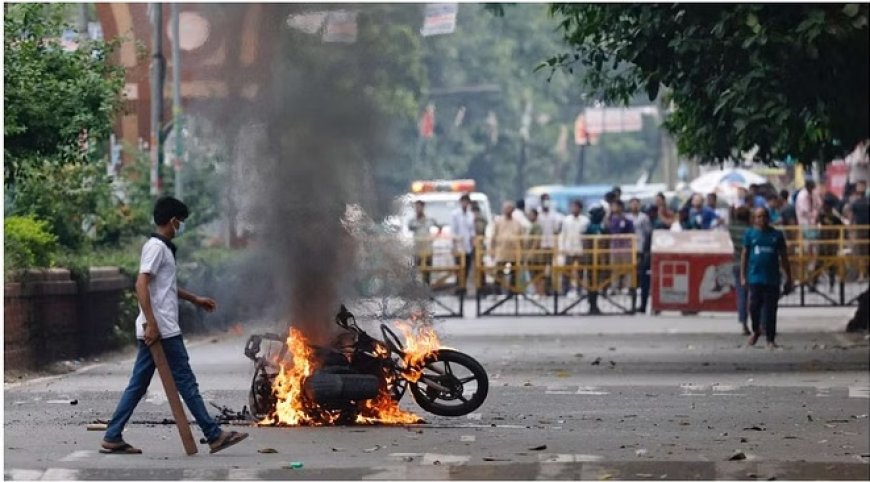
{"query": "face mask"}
pixel 546 204
pixel 180 228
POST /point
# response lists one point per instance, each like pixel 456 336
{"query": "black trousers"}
pixel 763 302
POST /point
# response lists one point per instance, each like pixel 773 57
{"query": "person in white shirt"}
pixel 551 225
pixel 158 295
pixel 462 229
pixel 519 215
pixel 642 225
pixel 571 242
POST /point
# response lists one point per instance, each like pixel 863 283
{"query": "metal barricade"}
pixel 829 264
pixel 442 269
pixel 521 278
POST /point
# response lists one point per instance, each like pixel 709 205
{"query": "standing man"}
pixel 551 225
pixel 507 237
pixel 462 227
pixel 642 223
pixel 157 322
pixel 620 249
pixel 421 225
pixel 701 216
pixel 807 204
pixel 571 243
pixel 764 254
pixel 737 230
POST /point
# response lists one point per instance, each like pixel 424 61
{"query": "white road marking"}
pixel 156 397
pixel 559 392
pixel 388 472
pixel 823 391
pixel 467 438
pixel 444 459
pixel 691 390
pixel 23 474
pixel 474 416
pixel 243 474
pixel 78 455
pixel 859 391
pixel 568 458
pixel 406 454
pixel 727 390
pixel 60 474
pixel 590 391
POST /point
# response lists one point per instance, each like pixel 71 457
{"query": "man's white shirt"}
pixel 462 228
pixel 158 261
pixel 551 224
pixel 570 240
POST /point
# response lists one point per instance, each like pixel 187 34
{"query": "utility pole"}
pixel 83 22
pixel 176 102
pixel 157 75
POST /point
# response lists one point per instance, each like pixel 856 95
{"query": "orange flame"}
pixel 293 408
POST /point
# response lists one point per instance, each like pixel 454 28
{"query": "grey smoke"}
pixel 305 151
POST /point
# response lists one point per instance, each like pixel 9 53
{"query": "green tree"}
pixel 787 79
pixel 54 99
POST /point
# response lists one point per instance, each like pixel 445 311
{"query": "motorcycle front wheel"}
pixel 457 384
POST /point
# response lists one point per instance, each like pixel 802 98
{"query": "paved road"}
pixel 681 397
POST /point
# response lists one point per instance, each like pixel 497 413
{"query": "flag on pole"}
pixel 439 19
pixel 582 136
pixel 427 122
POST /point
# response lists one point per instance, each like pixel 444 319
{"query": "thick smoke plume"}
pixel 307 150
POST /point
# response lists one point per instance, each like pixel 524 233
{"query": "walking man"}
pixel 157 322
pixel 764 254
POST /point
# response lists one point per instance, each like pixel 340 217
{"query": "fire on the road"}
pixel 294 408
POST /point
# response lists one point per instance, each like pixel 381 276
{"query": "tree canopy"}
pixel 55 99
pixel 775 79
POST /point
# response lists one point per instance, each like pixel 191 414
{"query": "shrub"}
pixel 28 243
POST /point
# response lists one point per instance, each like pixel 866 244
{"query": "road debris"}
pixel 338 449
pixel 97 427
pixel 374 449
pixel 640 452
pixel 539 447
pixel 738 455
pixel 755 428
pixel 294 466
pixel 267 450
pixel 495 459
pixel 596 362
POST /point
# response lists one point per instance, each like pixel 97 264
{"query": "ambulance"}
pixel 441 198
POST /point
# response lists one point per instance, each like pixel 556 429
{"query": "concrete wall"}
pixel 49 317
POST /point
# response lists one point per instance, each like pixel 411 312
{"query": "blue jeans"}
pixel 742 294
pixel 185 381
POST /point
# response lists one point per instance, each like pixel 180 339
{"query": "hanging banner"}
pixel 582 135
pixel 614 119
pixel 427 122
pixel 340 27
pixel 439 19
pixel 310 23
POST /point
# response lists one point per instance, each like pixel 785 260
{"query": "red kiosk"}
pixel 692 271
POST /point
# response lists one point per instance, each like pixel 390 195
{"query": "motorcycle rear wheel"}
pixel 457 372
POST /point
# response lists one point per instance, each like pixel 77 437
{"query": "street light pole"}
pixel 157 75
pixel 176 101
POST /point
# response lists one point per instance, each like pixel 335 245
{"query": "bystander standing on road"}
pixel 158 294
pixel 701 216
pixel 520 214
pixel 666 216
pixel 596 254
pixel 774 208
pixel 480 221
pixel 788 214
pixel 462 228
pixel 642 223
pixel 722 214
pixel 829 240
pixel 620 249
pixel 534 257
pixel 737 229
pixel 764 255
pixel 551 226
pixel 421 226
pixel 571 244
pixel 644 265
pixel 860 217
pixel 506 245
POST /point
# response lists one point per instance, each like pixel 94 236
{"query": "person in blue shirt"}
pixel 764 254
pixel 701 216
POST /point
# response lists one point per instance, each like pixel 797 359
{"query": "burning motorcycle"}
pixel 360 379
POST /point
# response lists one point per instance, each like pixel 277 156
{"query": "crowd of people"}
pixel 542 231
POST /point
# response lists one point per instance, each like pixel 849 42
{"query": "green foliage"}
pixel 53 99
pixel 77 201
pixel 28 243
pixel 787 79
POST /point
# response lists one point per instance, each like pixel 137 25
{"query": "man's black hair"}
pixel 616 189
pixel 619 203
pixel 578 202
pixel 465 197
pixel 634 199
pixel 167 208
pixel 521 204
pixel 784 194
pixel 475 206
pixel 610 196
pixel 420 202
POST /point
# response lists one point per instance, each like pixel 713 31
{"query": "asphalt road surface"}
pixel 670 397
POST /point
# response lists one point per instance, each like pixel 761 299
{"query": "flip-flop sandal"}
pixel 231 439
pixel 120 449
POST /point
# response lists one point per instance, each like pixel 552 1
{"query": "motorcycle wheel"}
pixel 465 379
pixel 260 398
